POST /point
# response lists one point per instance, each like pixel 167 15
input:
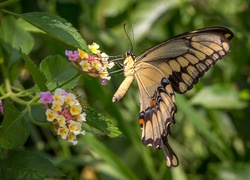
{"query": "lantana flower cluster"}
pixel 65 113
pixel 95 64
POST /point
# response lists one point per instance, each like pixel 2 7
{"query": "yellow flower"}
pixel 81 117
pixel 70 99
pixel 85 65
pixel 75 127
pixel 82 54
pixel 75 109
pixel 51 114
pixel 97 65
pixel 61 120
pixel 94 48
pixel 56 105
pixel 57 98
pixel 63 131
pixel 105 75
pixel 72 138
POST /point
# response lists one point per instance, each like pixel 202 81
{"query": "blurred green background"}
pixel 212 132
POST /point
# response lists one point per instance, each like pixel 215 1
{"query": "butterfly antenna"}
pixel 133 34
pixel 124 27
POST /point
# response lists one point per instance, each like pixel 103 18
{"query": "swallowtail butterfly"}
pixel 174 65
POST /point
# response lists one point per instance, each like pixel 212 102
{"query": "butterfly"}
pixel 175 65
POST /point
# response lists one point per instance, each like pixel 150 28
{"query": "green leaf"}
pixel 120 169
pixel 59 73
pixel 101 123
pixel 56 27
pixel 144 20
pixel 200 124
pixel 27 165
pixel 13 38
pixel 218 96
pixel 35 72
pixel 230 170
pixel 14 129
pixel 7 3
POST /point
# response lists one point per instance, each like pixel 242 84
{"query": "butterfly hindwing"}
pixel 157 109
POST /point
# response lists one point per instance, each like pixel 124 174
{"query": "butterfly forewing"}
pixel 185 58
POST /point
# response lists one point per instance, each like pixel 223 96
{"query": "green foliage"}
pixel 35 72
pixel 56 27
pixel 101 123
pixel 24 165
pixel 211 133
pixel 219 96
pixel 65 75
pixel 14 129
pixel 120 170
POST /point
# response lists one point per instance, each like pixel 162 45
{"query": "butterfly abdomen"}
pixel 129 77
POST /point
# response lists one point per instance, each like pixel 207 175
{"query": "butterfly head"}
pixel 128 63
pixel 129 54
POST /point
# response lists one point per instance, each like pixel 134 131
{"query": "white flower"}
pixel 97 65
pixel 61 120
pixel 94 48
pixel 105 75
pixel 72 138
pixel 63 132
pixel 51 114
pixel 70 99
pixel 75 109
pixel 81 117
pixel 75 127
pixel 86 66
pixel 104 57
pixel 56 105
pixel 59 92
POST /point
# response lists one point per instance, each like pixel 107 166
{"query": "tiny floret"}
pixel 94 48
pixel 75 109
pixel 86 66
pixel 45 97
pixel 73 55
pixel 51 114
pixel 70 99
pixel 63 132
pixel 72 138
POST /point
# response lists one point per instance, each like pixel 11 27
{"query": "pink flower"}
pixel 91 58
pixel 103 82
pixel 1 107
pixel 66 114
pixel 46 97
pixel 73 56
